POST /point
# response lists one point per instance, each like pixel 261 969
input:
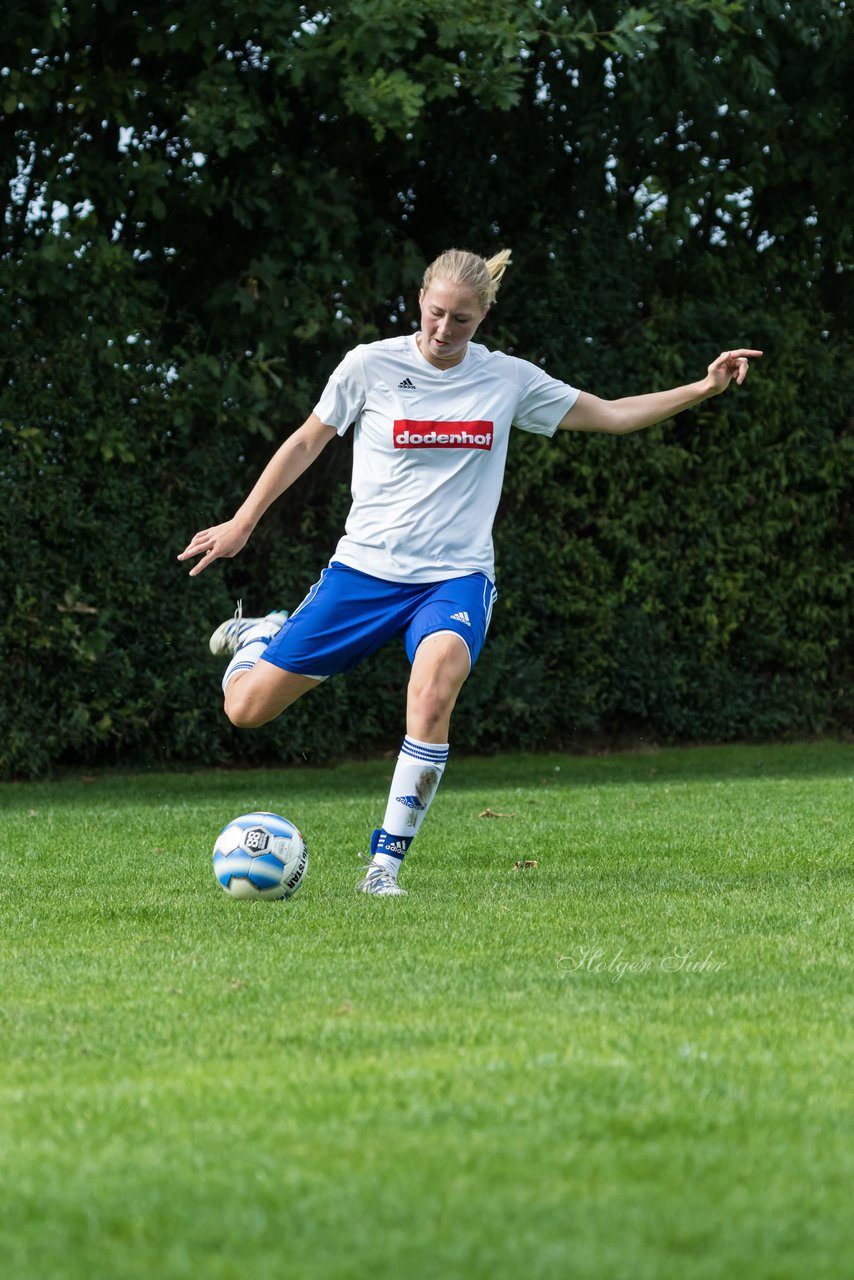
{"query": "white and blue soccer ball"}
pixel 260 855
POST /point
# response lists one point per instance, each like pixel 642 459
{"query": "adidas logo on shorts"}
pixel 407 385
pixel 462 616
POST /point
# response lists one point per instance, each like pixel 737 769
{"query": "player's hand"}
pixel 729 365
pixel 219 543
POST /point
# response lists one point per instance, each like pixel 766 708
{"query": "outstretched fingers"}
pixel 208 558
pixel 202 544
pixel 734 364
pixel 221 542
pixel 741 358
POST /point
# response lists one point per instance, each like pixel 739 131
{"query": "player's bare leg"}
pixel 255 697
pixel 439 670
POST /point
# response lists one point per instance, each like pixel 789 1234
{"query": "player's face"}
pixel 450 314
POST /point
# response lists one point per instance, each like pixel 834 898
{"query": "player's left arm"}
pixel 618 417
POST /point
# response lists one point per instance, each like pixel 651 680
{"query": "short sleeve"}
pixel 343 397
pixel 543 400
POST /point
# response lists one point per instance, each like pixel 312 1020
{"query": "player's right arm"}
pixel 287 464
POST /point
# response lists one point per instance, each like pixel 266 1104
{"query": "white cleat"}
pixel 379 881
pixel 235 632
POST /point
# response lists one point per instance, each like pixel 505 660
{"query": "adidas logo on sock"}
pixel 411 802
pixel 462 616
pixel 407 385
pixel 397 848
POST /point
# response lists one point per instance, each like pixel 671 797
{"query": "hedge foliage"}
pixel 203 216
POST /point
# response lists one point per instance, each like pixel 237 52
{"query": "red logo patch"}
pixel 409 434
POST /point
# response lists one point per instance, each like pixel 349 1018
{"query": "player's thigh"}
pixel 259 695
pixel 440 667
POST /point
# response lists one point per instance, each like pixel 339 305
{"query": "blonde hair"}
pixel 481 275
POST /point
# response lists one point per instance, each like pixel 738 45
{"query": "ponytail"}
pixel 496 266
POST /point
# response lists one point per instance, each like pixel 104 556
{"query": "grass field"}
pixel 632 1060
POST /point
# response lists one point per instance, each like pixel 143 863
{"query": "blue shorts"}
pixel 348 615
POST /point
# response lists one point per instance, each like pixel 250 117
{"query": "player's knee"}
pixel 244 711
pixel 431 703
pixel 242 717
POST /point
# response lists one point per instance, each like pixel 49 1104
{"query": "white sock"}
pixel 417 775
pixel 244 659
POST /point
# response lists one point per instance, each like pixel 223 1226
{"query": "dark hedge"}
pixel 689 582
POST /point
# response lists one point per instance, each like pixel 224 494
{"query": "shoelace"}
pixel 380 874
pixel 235 627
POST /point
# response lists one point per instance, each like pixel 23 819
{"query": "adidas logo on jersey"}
pixel 462 616
pixel 407 385
pixel 411 802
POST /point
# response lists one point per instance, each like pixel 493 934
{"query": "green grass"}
pixel 461 1083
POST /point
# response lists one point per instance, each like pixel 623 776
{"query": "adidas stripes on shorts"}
pixel 348 615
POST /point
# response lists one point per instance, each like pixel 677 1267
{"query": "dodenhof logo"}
pixel 410 434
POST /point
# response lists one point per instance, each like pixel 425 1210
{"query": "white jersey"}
pixel 429 453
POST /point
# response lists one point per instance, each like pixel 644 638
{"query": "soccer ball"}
pixel 260 855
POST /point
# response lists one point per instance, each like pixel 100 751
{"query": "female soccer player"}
pixel 432 414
